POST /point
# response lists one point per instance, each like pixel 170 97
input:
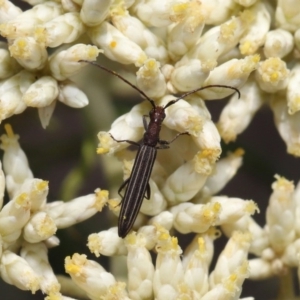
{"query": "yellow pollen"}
pixel 282 184
pixel 113 44
pixel 227 30
pixel 151 63
pixel 23 201
pixel 201 245
pixel 217 207
pixel 252 207
pixel 178 8
pixel 114 204
pixel 9 130
pixel 92 52
pixel 131 238
pixel 174 242
pixel 42 185
pixel 274 77
pixel 102 150
pixel 40 34
pixel 101 199
pixel 239 152
pixel 72 269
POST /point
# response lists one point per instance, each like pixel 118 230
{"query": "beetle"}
pixel 137 185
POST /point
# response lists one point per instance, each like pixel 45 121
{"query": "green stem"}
pixel 286 286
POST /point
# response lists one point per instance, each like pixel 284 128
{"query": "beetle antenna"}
pixel 203 88
pixel 121 77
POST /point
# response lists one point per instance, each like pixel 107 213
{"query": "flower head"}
pixel 173 47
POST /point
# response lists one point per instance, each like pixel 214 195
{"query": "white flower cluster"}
pixel 176 46
pixel 28 223
pixel 29 76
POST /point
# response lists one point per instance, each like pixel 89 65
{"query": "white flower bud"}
pixel 156 204
pixel 40 227
pixel 37 257
pixel 290 256
pixel 232 73
pixel 15 163
pixel 287 125
pixel 223 171
pixel 8 65
pixel 77 210
pixel 107 243
pixel 151 80
pixel 216 13
pixel 210 141
pixel 238 113
pixel 29 53
pixel 255 36
pixel 45 113
pixel 70 94
pixel 42 92
pixel 13 216
pixel 204 161
pixel 231 286
pixel 260 240
pixel 280 214
pixel 189 217
pixel 168 269
pixel 64 64
pixel 164 219
pixel 272 75
pixel 37 189
pixel 184 34
pixel 128 127
pixel 234 255
pixel 94 12
pixel 92 278
pixel 155 12
pixel 279 43
pixel 140 268
pixel 189 75
pixel 52 242
pixel 233 209
pixel 8 11
pixel 116 46
pixel 11 91
pixel 15 270
pixel 138 33
pixel 23 25
pixel 183 184
pixel 293 93
pixel 196 269
pixel 205 241
pixel 150 234
pixel 287 15
pixel 220 39
pixel 260 269
pixel 182 117
pixel 66 28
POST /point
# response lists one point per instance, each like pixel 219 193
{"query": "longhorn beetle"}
pixel 138 182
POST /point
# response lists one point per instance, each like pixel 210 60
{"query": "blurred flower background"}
pixel 175 46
